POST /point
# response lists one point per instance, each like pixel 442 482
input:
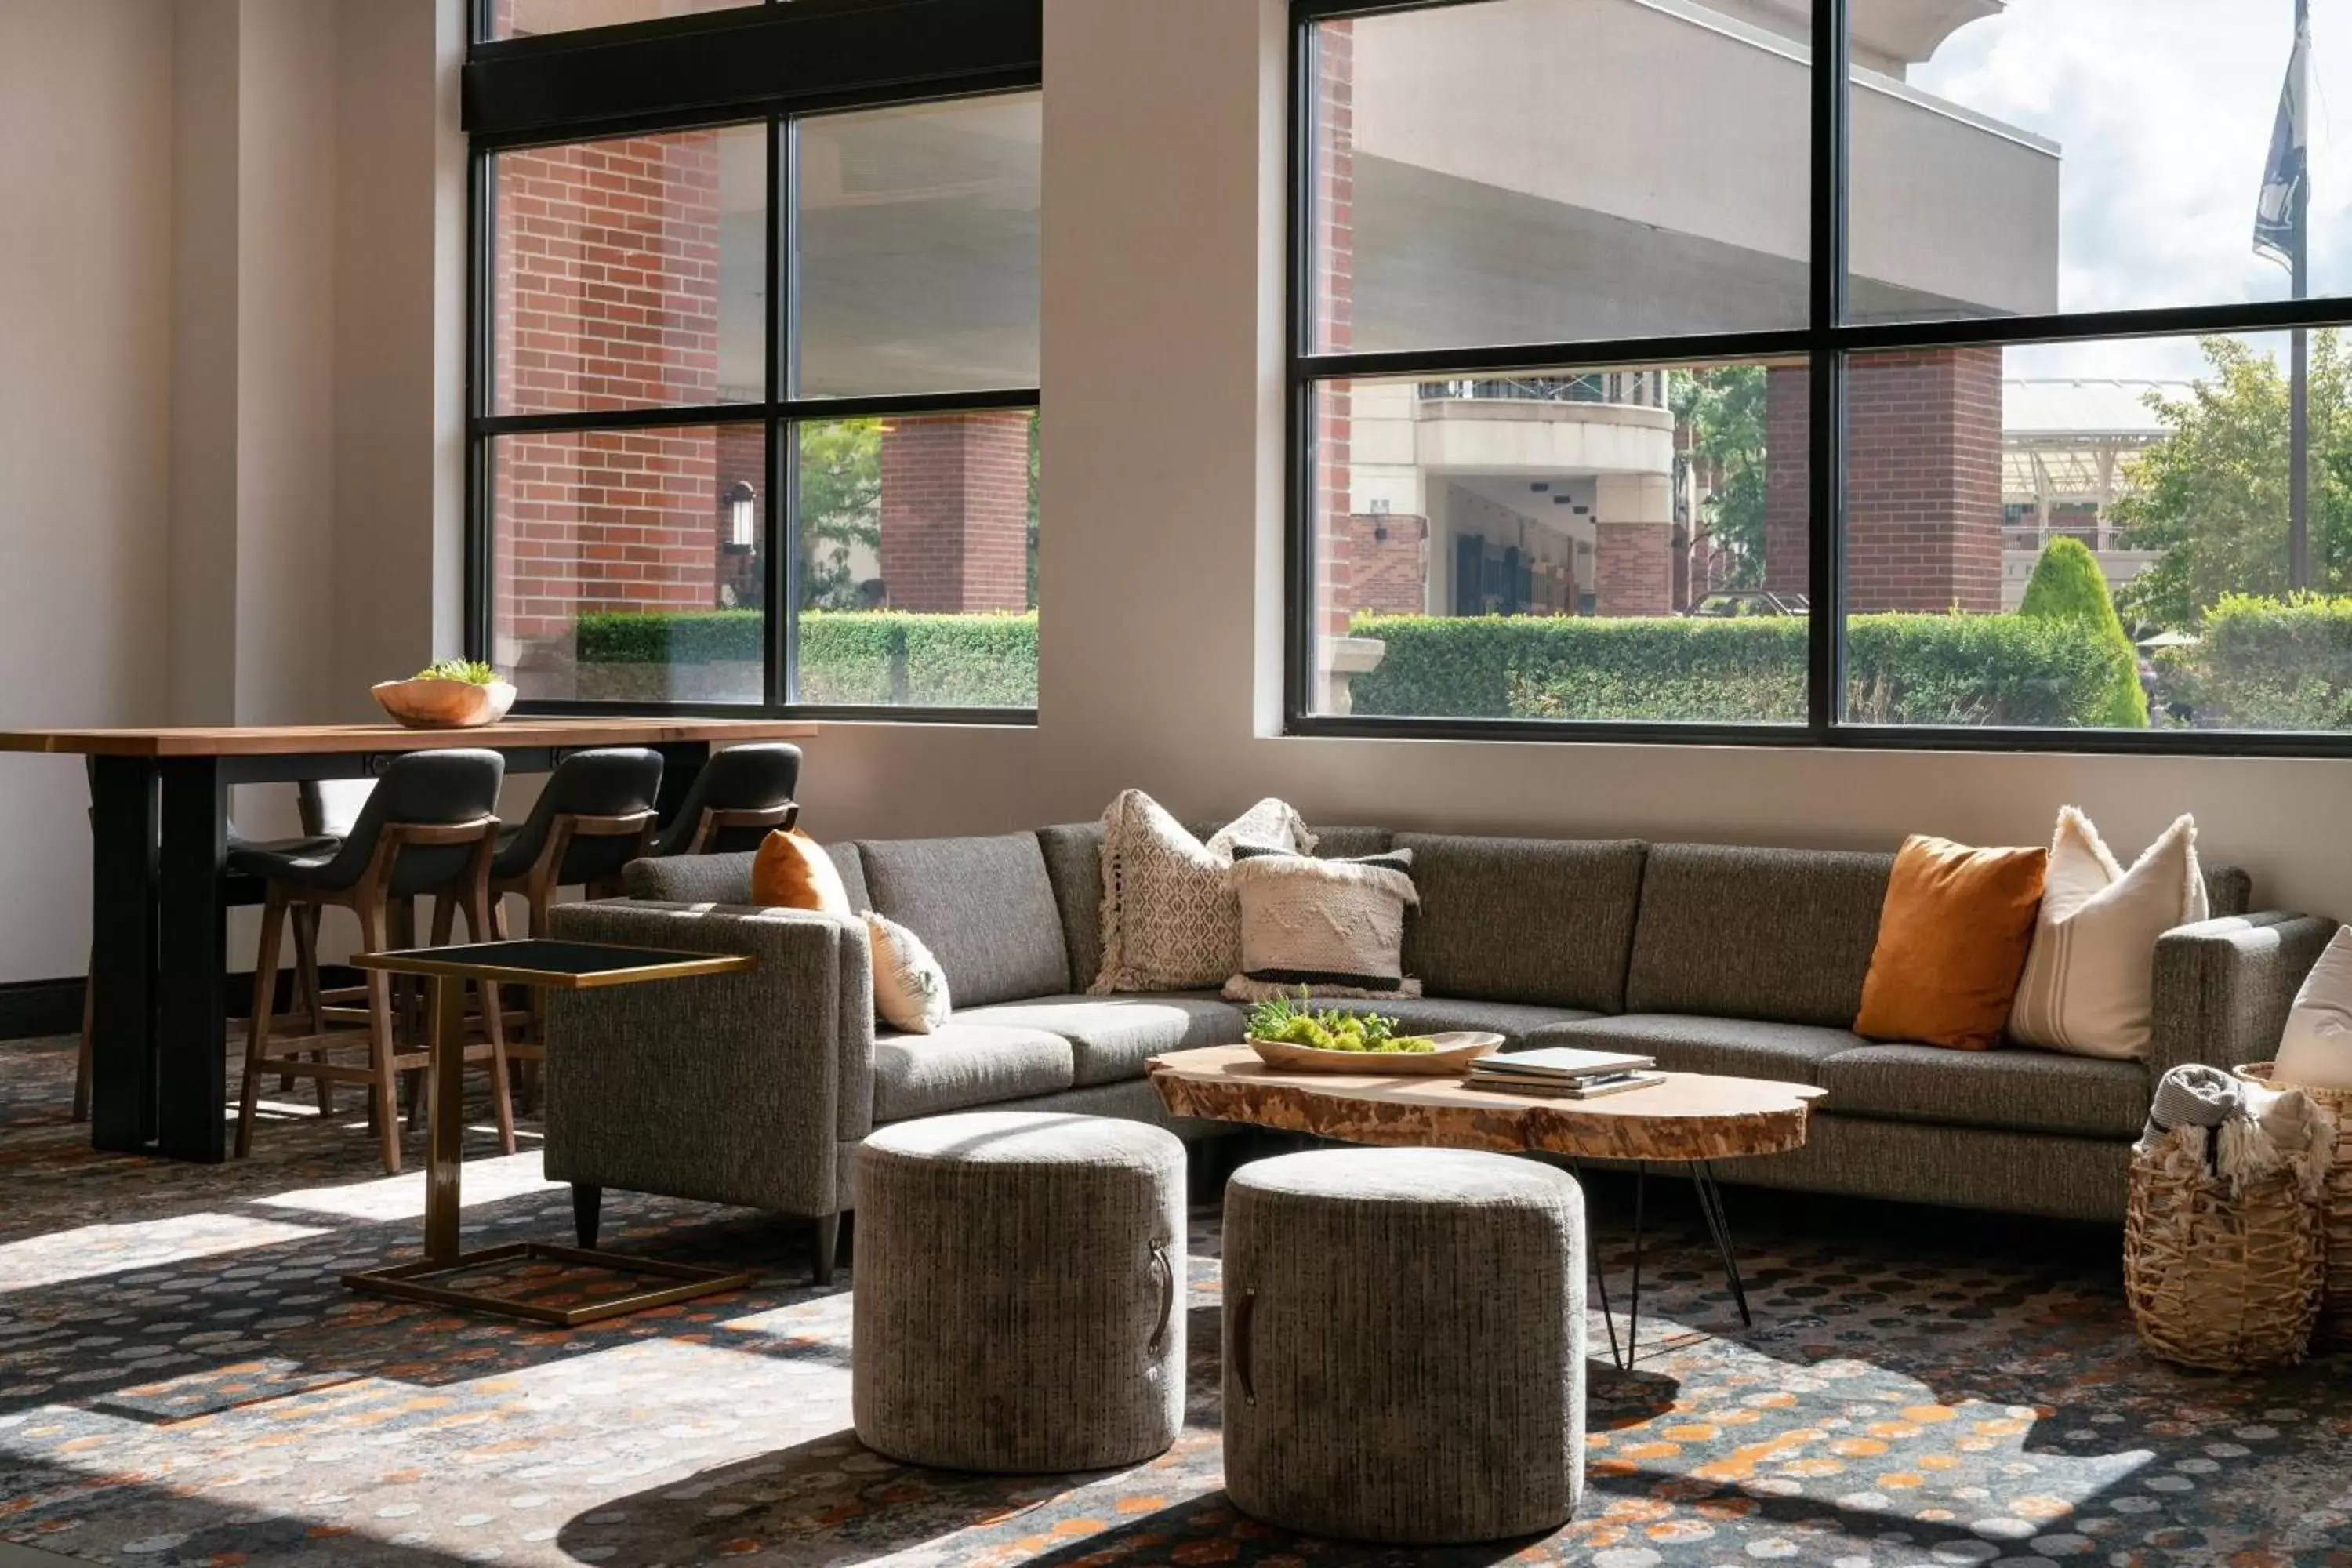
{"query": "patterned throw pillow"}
pixel 1169 923
pixel 910 989
pixel 1333 927
pixel 2090 978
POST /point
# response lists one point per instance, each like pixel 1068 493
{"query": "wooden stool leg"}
pixel 81 1060
pixel 305 921
pixel 486 993
pixel 264 1003
pixel 375 937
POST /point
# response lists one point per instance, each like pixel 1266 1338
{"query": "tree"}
pixel 1722 412
pixel 2067 586
pixel 840 507
pixel 2211 494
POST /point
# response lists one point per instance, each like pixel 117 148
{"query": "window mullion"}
pixel 781 436
pixel 1825 465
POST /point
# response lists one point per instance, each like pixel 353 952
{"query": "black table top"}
pixel 558 966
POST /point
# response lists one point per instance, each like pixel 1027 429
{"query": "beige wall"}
pixel 229 421
pixel 85 366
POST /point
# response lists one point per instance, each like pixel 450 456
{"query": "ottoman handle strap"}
pixel 1243 1311
pixel 1160 1260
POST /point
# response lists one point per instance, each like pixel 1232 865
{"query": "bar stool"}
pixel 741 796
pixel 595 815
pixel 312 842
pixel 428 827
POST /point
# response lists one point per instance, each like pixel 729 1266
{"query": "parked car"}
pixel 1732 604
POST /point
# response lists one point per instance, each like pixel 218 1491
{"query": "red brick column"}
pixel 1923 481
pixel 1632 566
pixel 1388 563
pixel 955 512
pixel 1334 224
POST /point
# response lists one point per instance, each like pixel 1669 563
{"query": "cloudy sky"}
pixel 2163 109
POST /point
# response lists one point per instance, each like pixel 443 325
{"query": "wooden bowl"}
pixel 1455 1051
pixel 445 704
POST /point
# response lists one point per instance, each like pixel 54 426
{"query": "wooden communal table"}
pixel 159 817
pixel 1690 1119
pixel 543 965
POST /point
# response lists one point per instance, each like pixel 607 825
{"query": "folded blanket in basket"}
pixel 2243 1130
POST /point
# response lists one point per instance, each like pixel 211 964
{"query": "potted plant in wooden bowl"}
pixel 454 694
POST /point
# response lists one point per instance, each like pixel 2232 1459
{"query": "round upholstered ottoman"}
pixel 1405 1344
pixel 1020 1292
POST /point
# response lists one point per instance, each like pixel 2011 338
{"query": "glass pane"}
pixel 919 248
pixel 1544 170
pixel 1611 544
pixel 528 19
pixel 631 273
pixel 2079 155
pixel 627 565
pixel 919 566
pixel 2097 535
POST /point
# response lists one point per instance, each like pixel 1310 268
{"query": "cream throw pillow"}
pixel 2090 973
pixel 1334 928
pixel 910 989
pixel 1169 922
pixel 2315 1052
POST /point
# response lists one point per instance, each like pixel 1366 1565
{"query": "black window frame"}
pixel 774 63
pixel 1826 344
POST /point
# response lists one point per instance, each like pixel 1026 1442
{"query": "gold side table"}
pixel 543 965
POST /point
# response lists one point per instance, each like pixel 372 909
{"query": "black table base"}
pixel 1718 1230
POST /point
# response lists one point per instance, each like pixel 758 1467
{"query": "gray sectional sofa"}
pixel 757 1089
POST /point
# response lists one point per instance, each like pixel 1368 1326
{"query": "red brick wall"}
pixel 955 512
pixel 607 297
pixel 1386 576
pixel 1923 481
pixel 1632 569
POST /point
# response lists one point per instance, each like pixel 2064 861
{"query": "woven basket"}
pixel 2336 1309
pixel 2216 1281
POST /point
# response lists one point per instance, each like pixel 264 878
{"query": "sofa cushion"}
pixel 1736 1047
pixel 725 878
pixel 983 906
pixel 2020 1090
pixel 1515 1021
pixel 1783 934
pixel 1112 1036
pixel 964 1065
pixel 1073 854
pixel 1541 921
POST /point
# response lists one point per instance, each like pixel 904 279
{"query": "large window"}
pixel 1781 370
pixel 755 406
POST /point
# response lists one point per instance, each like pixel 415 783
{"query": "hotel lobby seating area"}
pixel 1149 783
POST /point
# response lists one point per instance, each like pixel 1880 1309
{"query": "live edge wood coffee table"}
pixel 547 967
pixel 1691 1120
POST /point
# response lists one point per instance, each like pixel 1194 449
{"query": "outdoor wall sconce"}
pixel 740 523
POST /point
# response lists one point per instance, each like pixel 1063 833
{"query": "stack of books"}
pixel 1564 1073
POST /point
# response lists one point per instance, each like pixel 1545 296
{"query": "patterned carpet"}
pixel 184 1382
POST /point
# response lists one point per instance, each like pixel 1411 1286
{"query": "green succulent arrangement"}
pixel 1329 1029
pixel 471 671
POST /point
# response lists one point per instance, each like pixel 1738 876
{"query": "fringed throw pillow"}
pixel 1169 922
pixel 2089 981
pixel 1335 928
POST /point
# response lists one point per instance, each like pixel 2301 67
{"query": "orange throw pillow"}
pixel 792 871
pixel 1952 940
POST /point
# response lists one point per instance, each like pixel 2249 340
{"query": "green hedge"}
pixel 2270 664
pixel 1908 669
pixel 846 659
